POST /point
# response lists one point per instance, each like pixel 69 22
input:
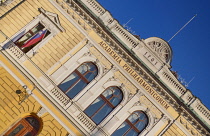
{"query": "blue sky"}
pixel 163 18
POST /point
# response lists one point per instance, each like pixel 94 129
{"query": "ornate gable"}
pixel 160 48
pixel 52 17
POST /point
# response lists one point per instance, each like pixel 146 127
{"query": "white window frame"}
pixel 73 63
pixel 45 19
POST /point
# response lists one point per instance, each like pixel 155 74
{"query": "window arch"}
pixel 28 126
pixel 133 125
pixel 79 79
pixel 104 104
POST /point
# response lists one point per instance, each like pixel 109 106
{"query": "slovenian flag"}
pixel 35 39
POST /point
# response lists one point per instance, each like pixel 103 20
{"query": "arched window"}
pixel 79 79
pixel 104 104
pixel 133 125
pixel 28 126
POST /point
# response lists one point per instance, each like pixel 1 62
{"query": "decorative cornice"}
pixel 102 32
pixel 192 126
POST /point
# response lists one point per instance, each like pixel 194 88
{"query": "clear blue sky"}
pixel 163 18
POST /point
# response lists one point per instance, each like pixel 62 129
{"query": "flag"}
pixel 35 39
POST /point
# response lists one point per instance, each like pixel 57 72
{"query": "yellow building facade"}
pixel 68 68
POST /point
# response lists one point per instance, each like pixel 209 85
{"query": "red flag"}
pixel 35 39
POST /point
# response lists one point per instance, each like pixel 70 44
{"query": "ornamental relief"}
pixel 189 127
pixel 160 49
pixel 100 57
pixel 126 82
pixel 150 106
pixel 75 15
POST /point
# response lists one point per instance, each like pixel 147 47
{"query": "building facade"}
pixel 68 68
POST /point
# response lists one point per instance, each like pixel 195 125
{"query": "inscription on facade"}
pixel 135 75
pixel 150 58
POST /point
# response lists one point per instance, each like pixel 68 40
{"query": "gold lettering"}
pixel 109 50
pixel 157 98
pixel 100 43
pixel 137 79
pixel 167 106
pixel 140 81
pixel 144 84
pixel 114 56
pixel 119 61
pixel 150 91
pixel 131 72
pixel 147 87
pixel 160 100
pixel 125 66
pixel 127 69
pixel 135 75
pixel 105 47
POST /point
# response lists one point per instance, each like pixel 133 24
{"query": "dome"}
pixel 160 48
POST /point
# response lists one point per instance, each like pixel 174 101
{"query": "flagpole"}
pixel 182 27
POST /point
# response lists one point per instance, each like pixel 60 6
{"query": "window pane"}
pixel 133 118
pixel 141 125
pixel 143 121
pixel 101 107
pixel 29 34
pixel 37 28
pixel 114 95
pixel 29 134
pixel 102 114
pixel 92 67
pixel 33 122
pixel 94 106
pixel 83 68
pixel 132 133
pixel 117 97
pixel 108 93
pixel 90 76
pixel 138 117
pixel 16 130
pixel 68 82
pixel 115 101
pixel 91 71
pixel 121 130
pixel 76 88
pixel 22 40
pixel 32 38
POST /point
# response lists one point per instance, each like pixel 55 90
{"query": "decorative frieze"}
pixel 160 48
pixel 100 57
pixel 196 130
pixel 138 67
pixel 126 82
pixel 75 12
pixel 151 106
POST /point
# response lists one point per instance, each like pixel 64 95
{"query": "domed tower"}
pixel 155 52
